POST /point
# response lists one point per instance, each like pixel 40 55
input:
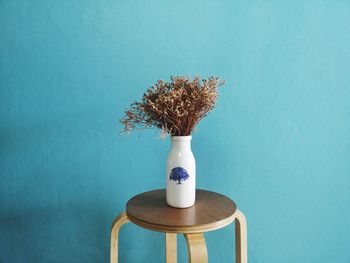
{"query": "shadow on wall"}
pixel 78 231
pixel 60 193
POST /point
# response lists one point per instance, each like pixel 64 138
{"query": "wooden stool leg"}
pixel 170 248
pixel 241 238
pixel 197 249
pixel 117 224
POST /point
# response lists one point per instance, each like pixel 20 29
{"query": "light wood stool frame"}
pixel 197 249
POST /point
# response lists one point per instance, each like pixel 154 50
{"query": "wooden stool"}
pixel 210 212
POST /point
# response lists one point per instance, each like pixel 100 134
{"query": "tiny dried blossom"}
pixel 174 107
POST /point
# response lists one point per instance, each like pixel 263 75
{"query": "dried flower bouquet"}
pixel 174 107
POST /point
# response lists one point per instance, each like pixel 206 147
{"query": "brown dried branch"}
pixel 175 107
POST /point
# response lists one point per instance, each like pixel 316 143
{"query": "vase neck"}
pixel 181 143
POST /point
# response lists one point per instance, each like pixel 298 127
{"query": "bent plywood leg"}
pixel 241 238
pixel 117 224
pixel 197 249
pixel 170 248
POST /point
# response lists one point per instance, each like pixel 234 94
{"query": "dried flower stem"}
pixel 175 107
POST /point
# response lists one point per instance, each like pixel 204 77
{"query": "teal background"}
pixel 278 142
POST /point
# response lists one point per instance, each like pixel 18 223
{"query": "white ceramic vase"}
pixel 181 173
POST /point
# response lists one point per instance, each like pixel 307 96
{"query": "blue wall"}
pixel 278 141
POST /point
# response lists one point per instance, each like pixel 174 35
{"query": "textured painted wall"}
pixel 278 142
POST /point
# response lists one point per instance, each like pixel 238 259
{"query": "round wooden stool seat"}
pixel 211 211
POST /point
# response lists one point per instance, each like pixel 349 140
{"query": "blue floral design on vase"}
pixel 179 174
